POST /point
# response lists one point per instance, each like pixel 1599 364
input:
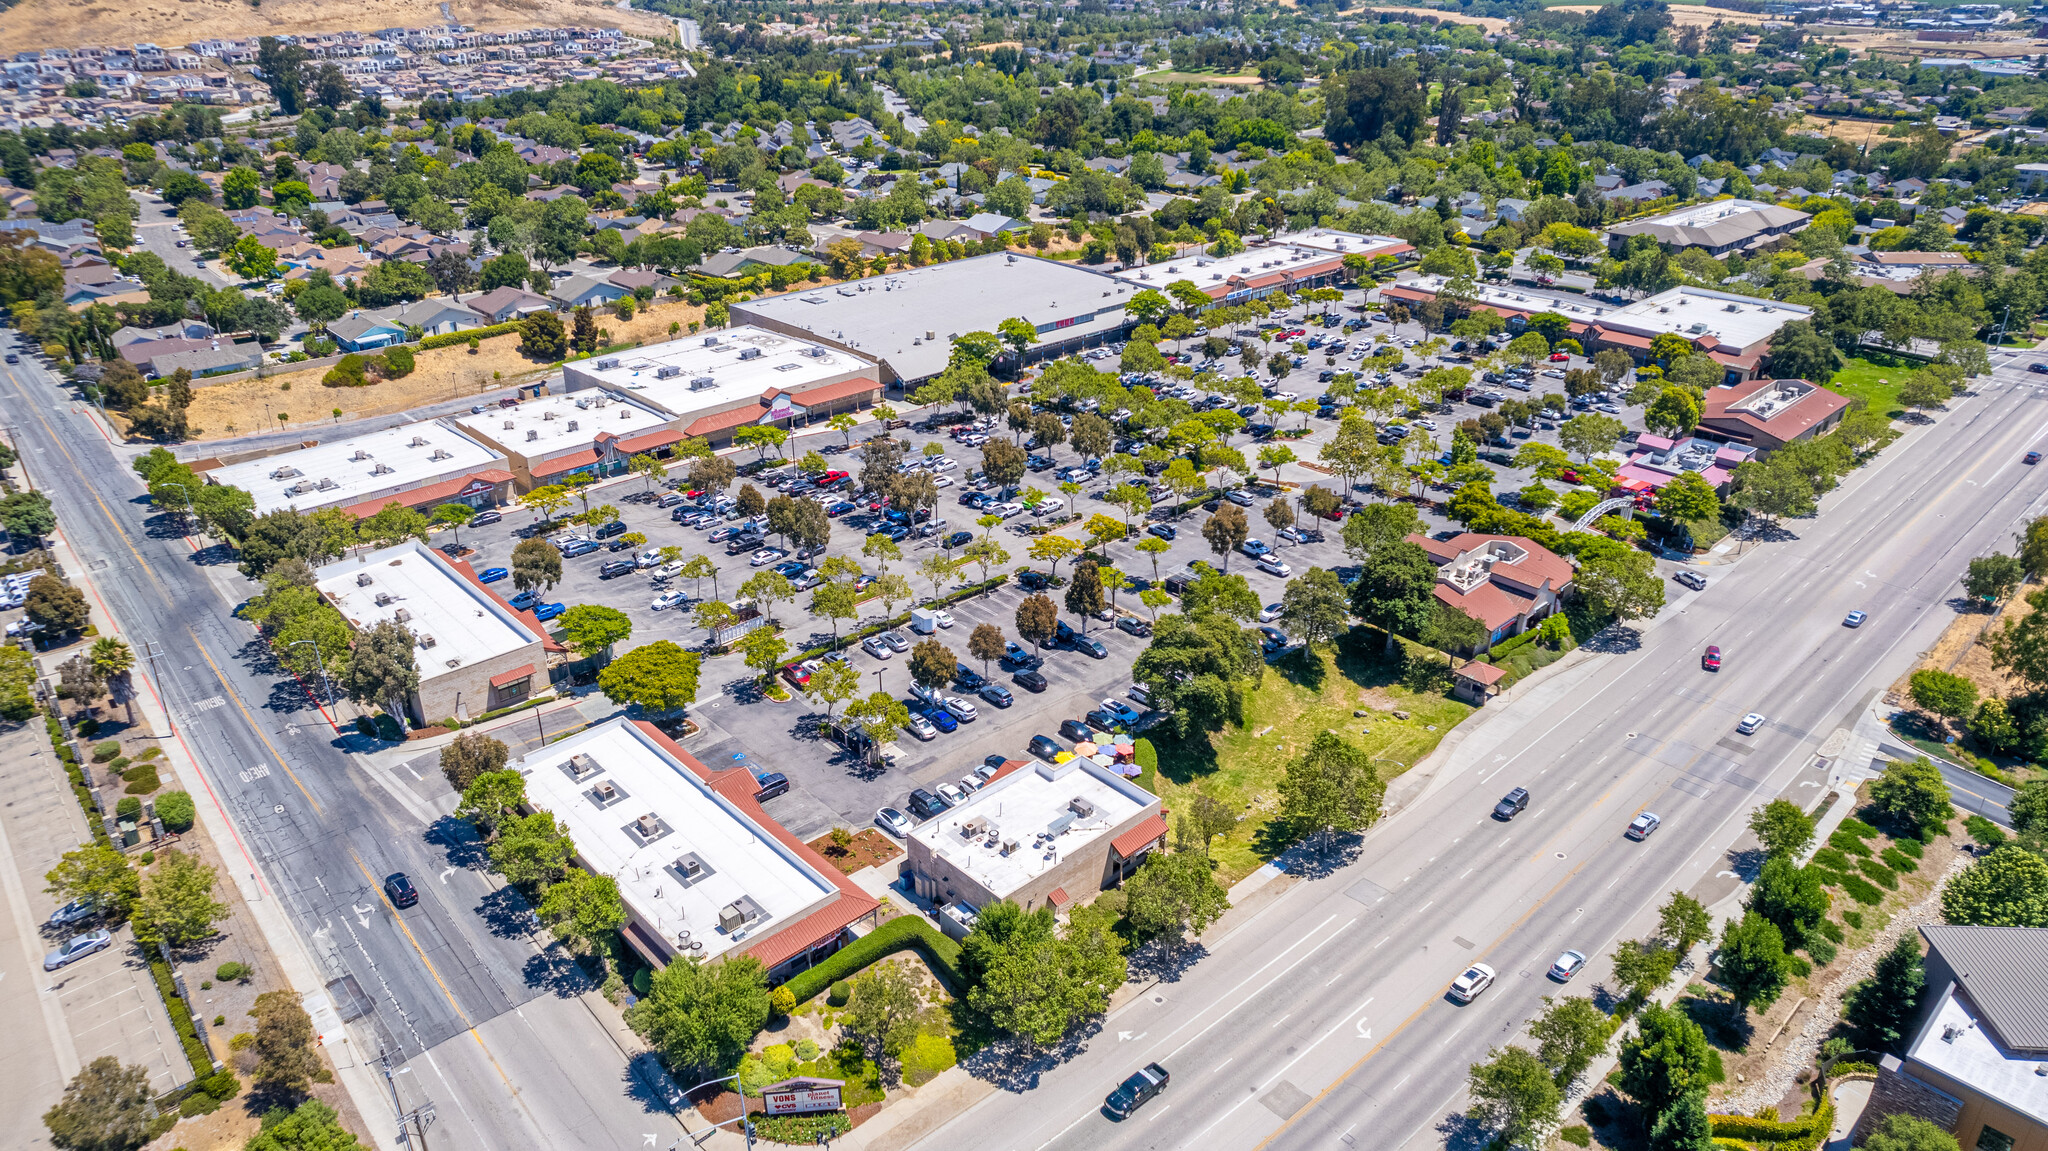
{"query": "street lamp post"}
pixel 322 664
pixel 745 1122
pixel 150 653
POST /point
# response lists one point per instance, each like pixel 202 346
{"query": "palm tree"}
pixel 111 657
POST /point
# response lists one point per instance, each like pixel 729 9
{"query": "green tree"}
pixel 1330 789
pixel 592 629
pixel 285 1058
pixel 1992 578
pixel 1782 827
pixel 1621 582
pixel 1314 607
pixel 1514 1095
pixel 95 874
pixel 1569 1035
pixel 249 259
pixel 56 605
pixel 382 670
pixel 468 755
pixel 1666 1060
pixel 1031 981
pixel 1789 896
pixel 701 1015
pixel 1913 796
pixel 1752 961
pixel 489 798
pixel 1690 498
pixel 932 664
pixel 832 684
pixel 1641 966
pixel 532 850
pixel 660 678
pixel 1684 921
pixel 1200 820
pixel 177 906
pixel 1883 1006
pixel 1683 1126
pixel 454 516
pixel 1590 434
pixel 1397 589
pixel 1174 897
pixel 2007 888
pixel 1952 697
pixel 1902 1132
pixel 885 1011
pixel 312 1126
pixel 106 1107
pixel 584 907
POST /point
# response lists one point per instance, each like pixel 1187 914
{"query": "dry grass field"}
pixel 68 23
pixel 1491 24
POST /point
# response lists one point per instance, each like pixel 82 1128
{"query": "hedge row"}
pixel 1147 759
pixel 68 756
pixel 181 1018
pixel 905 931
pixel 450 339
pixel 1805 1133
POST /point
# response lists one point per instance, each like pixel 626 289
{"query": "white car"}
pixel 1047 507
pixel 764 557
pixel 1467 987
pixel 1008 510
pixel 1272 565
pixel 1750 723
pixel 943 619
pixel 942 481
pixel 951 793
pixel 1567 965
pixel 961 709
pixel 944 464
pixel 893 821
pixel 922 728
pixel 874 646
pixel 669 570
pixel 1269 613
pixel 973 782
pixel 649 558
pixel 669 599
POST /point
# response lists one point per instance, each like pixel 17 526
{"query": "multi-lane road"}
pixel 476 1020
pixel 1321 1020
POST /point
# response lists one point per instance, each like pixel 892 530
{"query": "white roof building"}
pixel 737 375
pixel 548 438
pixel 371 468
pixel 1288 263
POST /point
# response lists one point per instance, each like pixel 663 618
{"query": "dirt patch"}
pixel 68 23
pixel 866 849
pixel 1961 650
pixel 1861 133
pixel 1489 23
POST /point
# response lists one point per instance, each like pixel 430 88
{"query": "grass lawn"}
pixel 1861 378
pixel 1299 697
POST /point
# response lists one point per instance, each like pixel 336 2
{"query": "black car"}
pixel 1089 646
pixel 1076 730
pixel 2042 368
pixel 1163 531
pixel 767 787
pixel 483 518
pixel 1038 463
pixel 616 568
pixel 1034 581
pixel 614 528
pixel 1029 680
pixel 1063 633
pixel 399 890
pixel 1101 720
pixel 619 545
pixel 924 805
pixel 1136 1091
pixel 967 679
pixel 1044 747
pixel 957 539
pixel 1511 804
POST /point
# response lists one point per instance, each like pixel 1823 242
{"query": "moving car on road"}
pixel 1511 804
pixel 1750 723
pixel 1136 1091
pixel 1712 660
pixel 1643 824
pixel 399 890
pixel 1477 978
pixel 1567 965
pixel 1854 619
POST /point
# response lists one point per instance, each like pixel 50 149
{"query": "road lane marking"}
pixel 1262 987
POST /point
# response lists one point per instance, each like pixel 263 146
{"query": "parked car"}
pixel 1043 747
pixel 1642 825
pixel 925 805
pixel 1134 1092
pixel 1122 712
pixel 1133 625
pixel 1467 987
pixel 615 568
pixel 921 727
pixel 77 948
pixel 548 611
pixel 1567 965
pixel 1163 531
pixel 579 547
pixel 1273 565
pixel 940 718
pixel 967 679
pixel 524 600
pixel 1029 680
pixel 1692 579
pixel 1075 730
pixel 770 785
pixel 997 694
pixel 610 529
pixel 893 821
pixel 669 599
pixel 492 575
pixel 874 646
pixel 962 710
pixel 1512 804
pixel 76 911
pixel 952 793
pixel 399 890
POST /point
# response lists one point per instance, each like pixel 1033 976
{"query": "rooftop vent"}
pixel 418 442
pixel 572 425
pixel 701 382
pixel 547 415
pixel 532 434
pixel 382 470
pixel 607 363
pixel 442 454
pixel 326 484
pixel 583 403
pixel 508 425
pixel 360 454
pixel 750 353
pixel 667 371
pixel 363 579
pixel 711 341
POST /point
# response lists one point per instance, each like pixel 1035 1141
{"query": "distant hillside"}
pixel 69 23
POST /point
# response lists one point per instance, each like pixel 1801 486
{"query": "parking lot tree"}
pixel 832 683
pixel 1620 581
pixel 882 717
pixel 2007 888
pixel 1684 921
pixel 834 601
pixel 932 664
pixel 1913 796
pixel 1991 578
pixel 107 1106
pixel 703 1016
pixel 491 797
pixel 454 516
pixel 1084 591
pixel 762 649
pixel 1051 549
pixel 1173 897
pixel 660 678
pixel 940 569
pixel 471 754
pixel 1091 435
pixel 1883 1006
pixel 1319 501
pixel 751 501
pixel 636 540
pixel 1226 529
pixel 592 629
pixel 768 588
pixel 394 523
pixel 1666 1060
pixel 381 668
pixel 712 615
pixel 1791 897
pixel 1537 497
pixel 813 465
pixel 713 474
pixel 1329 790
pixel 546 500
pixel 761 437
pixel 1313 608
pixel 891 588
pixel 1102 530
pixel 1590 434
pixel 1279 515
pixel 844 423
pixel 1513 1095
pixel 1036 618
pixel 1752 961
pixel 535 565
pixel 96 874
pixel 176 906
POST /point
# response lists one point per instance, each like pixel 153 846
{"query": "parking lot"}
pixel 830 784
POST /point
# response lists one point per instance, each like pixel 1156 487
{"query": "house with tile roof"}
pixel 1507 583
pixel 1768 414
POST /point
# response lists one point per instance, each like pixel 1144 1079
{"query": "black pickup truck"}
pixel 1134 1092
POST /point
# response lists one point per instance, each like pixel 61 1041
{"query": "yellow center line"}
pixel 230 692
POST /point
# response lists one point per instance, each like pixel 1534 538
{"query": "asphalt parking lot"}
pixel 830 785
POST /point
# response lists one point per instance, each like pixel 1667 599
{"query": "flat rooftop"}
pixel 1021 826
pixel 550 425
pixel 907 319
pixel 350 471
pixel 1700 215
pixel 1957 1043
pixel 718 369
pixel 685 858
pixel 1293 253
pixel 1740 321
pixel 455 623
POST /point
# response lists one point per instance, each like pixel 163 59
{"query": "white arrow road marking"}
pixel 445 873
pixel 1729 874
pixel 362 915
pixel 1125 1036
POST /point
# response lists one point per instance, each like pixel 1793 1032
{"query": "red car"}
pixel 830 478
pixel 1334 514
pixel 1559 358
pixel 1569 475
pixel 1712 660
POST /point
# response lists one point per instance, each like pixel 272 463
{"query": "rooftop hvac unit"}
pixel 363 579
pixel 582 403
pixel 285 473
pixel 625 413
pixel 711 341
pixel 815 353
pixel 402 616
pixel 442 454
pixel 1060 823
pixel 702 382
pixel 667 371
pixel 360 454
pixel 508 425
pixel 1081 807
pixel 572 425
pixel 426 641
pixel 730 917
pixel 750 353
pixel 383 598
pixel 607 363
pixel 326 484
pixel 606 791
pixel 532 434
pixel 548 416
pixel 382 470
pixel 418 442
pixel 581 765
pixel 648 826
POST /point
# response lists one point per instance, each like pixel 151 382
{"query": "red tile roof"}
pixel 1484 673
pixel 830 393
pixel 1542 562
pixel 431 494
pixel 1137 839
pixel 1058 897
pixel 661 437
pixel 1489 603
pixel 555 467
pixel 737 786
pixel 513 676
pixel 720 421
pixel 1786 424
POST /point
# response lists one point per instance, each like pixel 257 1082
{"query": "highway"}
pixel 475 1018
pixel 1321 1020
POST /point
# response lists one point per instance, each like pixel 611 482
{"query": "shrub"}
pixel 1578 1135
pixel 149 753
pixel 1853 919
pixel 142 783
pixel 1856 828
pixel 1985 832
pixel 902 932
pixel 1912 847
pixel 119 763
pixel 220 1021
pixel 1831 859
pixel 1883 876
pixel 1797 966
pixel 1862 890
pixel 241 1042
pixel 803 1129
pixel 926 1057
pixel 1831 929
pixel 398 362
pixel 806 1050
pixel 222 1084
pixel 198 1103
pixel 837 997
pixel 129 808
pixel 1841 840
pixel 87 727
pixel 350 372
pixel 781 1001
pixel 1899 861
pixel 105 750
pixel 1854 1068
pixel 1821 949
pixel 231 972
pixel 450 339
pixel 175 808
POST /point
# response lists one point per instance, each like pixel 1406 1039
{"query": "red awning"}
pixel 513 676
pixel 1137 839
pixel 1625 339
pixel 661 437
pixel 1059 897
pixel 571 462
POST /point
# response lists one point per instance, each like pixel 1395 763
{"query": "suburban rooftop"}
pixel 548 424
pixel 1017 827
pixel 455 623
pixel 353 470
pixel 717 368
